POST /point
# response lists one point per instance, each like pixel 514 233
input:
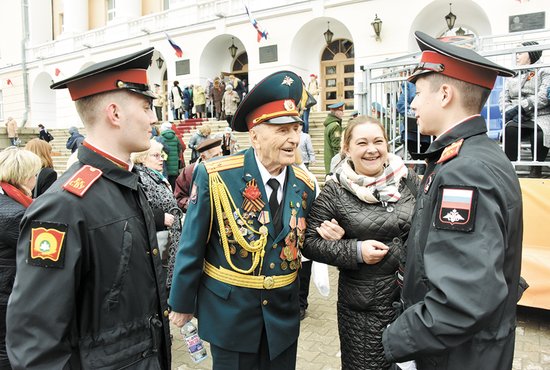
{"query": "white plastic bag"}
pixel 319 272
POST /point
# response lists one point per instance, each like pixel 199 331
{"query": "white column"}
pixel 127 9
pixel 75 16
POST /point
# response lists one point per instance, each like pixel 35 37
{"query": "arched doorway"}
pixel 43 104
pixel 240 67
pixel 337 74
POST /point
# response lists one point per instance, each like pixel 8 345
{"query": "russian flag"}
pixel 175 46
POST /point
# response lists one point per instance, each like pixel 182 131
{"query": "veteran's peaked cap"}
pixel 461 63
pixel 128 72
pixel 273 100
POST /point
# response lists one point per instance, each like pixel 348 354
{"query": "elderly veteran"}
pixel 245 225
pixel 89 291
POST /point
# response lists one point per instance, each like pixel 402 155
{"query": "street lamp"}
pixel 328 34
pixel 377 26
pixel 233 49
pixel 460 32
pixel 160 62
pixel 450 18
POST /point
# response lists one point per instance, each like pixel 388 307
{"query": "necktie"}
pixel 274 204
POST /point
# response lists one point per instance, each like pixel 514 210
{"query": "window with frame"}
pixel 111 10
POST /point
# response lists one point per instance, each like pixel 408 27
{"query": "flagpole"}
pixel 25 37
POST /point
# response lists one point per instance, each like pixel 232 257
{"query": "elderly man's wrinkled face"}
pixel 275 145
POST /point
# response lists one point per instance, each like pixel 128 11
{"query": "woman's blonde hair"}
pixel 18 165
pixel 205 130
pixel 359 120
pixel 141 157
pixel 43 150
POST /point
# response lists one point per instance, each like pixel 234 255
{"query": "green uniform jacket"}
pixel 333 134
pixel 233 317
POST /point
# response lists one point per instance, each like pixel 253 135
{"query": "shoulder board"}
pixel 451 151
pixel 82 180
pixel 302 175
pixel 224 163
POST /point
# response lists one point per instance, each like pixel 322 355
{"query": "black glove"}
pixel 511 114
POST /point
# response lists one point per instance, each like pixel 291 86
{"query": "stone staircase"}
pixel 60 155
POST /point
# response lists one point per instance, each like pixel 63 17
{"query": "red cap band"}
pixel 105 82
pixel 273 109
pixel 463 71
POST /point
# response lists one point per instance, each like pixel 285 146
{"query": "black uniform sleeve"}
pixel 41 310
pixel 464 279
pixel 341 253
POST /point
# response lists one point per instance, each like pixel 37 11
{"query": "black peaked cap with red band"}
pixel 273 100
pixel 128 72
pixel 456 62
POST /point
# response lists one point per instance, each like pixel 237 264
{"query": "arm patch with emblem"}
pixel 456 208
pixel 47 246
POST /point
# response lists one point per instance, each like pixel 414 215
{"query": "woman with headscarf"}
pixel 523 95
pixel 372 197
pixel 18 168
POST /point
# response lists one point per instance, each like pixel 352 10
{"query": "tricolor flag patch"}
pixel 456 208
pixel 47 244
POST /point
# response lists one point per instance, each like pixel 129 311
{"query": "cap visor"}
pixel 284 119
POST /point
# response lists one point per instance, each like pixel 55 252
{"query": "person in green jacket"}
pixel 170 139
pixel 333 132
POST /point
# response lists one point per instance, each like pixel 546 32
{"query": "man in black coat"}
pixel 89 292
pixel 464 248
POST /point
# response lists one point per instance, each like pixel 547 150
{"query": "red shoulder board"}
pixel 451 151
pixel 82 180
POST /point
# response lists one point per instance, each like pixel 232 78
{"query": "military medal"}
pixel 252 195
pixel 263 217
pixel 301 223
pixel 263 230
pixel 304 200
pixel 243 253
pixel 292 222
pixel 284 265
pixel 232 249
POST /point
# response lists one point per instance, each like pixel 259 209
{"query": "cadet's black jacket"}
pixel 102 304
pixel 463 258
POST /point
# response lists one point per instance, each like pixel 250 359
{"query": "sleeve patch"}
pixel 456 208
pixel 47 246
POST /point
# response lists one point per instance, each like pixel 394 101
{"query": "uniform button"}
pixel 272 265
pixel 166 313
pixel 396 240
pixel 265 302
pixel 155 252
pixel 274 246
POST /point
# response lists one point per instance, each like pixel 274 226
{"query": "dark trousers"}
pixel 527 132
pixel 4 362
pixel 230 360
pixel 172 180
pixel 158 111
pixel 305 118
pixel 305 276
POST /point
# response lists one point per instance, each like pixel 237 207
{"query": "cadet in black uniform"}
pixel 464 248
pixel 89 291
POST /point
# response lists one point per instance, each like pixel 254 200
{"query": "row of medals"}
pixel 294 241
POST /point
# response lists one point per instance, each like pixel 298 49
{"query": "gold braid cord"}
pixel 224 203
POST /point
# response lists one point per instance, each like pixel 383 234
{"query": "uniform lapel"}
pixel 292 196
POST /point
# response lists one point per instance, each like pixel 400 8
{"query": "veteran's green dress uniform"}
pixel 231 315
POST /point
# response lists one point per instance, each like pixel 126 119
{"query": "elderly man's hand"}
pixel 180 319
pixel 330 230
pixel 168 219
pixel 372 251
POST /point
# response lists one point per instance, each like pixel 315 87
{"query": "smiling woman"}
pixel 371 196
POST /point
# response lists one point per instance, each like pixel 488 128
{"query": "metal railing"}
pixel 384 82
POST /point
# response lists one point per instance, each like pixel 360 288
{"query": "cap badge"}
pixel 289 105
pixel 287 81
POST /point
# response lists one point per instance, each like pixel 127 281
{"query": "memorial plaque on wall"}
pixel 526 22
pixel 268 54
pixel 182 67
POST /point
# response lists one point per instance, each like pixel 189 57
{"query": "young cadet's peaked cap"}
pixel 209 144
pixel 456 62
pixel 273 100
pixel 124 73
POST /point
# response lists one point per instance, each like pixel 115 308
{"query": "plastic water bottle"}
pixel 194 342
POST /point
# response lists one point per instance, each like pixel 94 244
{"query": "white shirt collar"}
pixel 264 173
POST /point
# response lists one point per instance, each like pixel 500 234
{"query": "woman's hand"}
pixel 330 230
pixel 168 219
pixel 373 251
